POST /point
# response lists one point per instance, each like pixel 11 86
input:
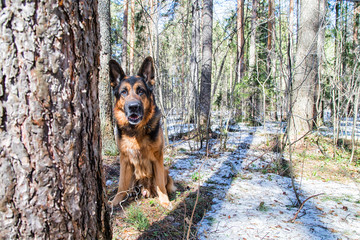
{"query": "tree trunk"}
pixel 124 37
pixel 298 13
pixel 291 31
pixel 218 78
pixel 184 71
pixel 291 17
pixel 132 38
pixel 52 184
pixel 306 75
pixel 270 35
pixel 356 24
pixel 240 67
pixel 205 90
pixel 337 36
pixel 150 19
pixel 356 107
pixel 344 50
pixel 194 58
pixel 321 55
pixel 252 47
pixel 104 81
pixel 290 59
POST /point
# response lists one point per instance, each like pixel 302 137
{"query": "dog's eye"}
pixel 140 91
pixel 124 92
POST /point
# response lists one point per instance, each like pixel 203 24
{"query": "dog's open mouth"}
pixel 134 118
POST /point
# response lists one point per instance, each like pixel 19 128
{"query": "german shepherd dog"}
pixel 138 134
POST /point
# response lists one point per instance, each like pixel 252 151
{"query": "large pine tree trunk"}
pixel 50 163
pixel 306 71
pixel 104 81
pixel 205 88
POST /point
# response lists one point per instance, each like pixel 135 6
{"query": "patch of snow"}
pixel 253 205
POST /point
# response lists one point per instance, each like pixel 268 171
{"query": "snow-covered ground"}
pixel 254 205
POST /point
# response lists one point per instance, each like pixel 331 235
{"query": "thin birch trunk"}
pixel 356 107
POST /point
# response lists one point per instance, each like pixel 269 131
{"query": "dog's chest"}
pixel 139 156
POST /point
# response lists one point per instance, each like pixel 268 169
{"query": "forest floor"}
pixel 243 191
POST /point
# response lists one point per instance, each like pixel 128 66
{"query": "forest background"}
pixel 295 62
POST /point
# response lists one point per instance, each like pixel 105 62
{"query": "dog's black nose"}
pixel 134 107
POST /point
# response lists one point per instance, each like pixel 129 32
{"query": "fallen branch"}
pixel 176 143
pixel 322 151
pixel 197 196
pixel 266 151
pixel 247 166
pixel 293 220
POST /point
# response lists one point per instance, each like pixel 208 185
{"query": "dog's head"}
pixel 133 93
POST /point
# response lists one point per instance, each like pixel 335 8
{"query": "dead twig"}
pixel 266 151
pixel 321 150
pixel 293 220
pixel 175 143
pixel 247 166
pixel 197 194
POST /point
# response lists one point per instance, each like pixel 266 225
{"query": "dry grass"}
pixel 317 159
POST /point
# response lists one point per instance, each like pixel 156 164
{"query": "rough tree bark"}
pixel 50 164
pixel 205 88
pixel 104 81
pixel 305 77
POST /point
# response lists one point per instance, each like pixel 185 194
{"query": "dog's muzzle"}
pixel 134 112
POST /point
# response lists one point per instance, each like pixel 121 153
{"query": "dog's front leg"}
pixel 125 180
pixel 160 183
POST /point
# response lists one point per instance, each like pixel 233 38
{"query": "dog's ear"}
pixel 116 73
pixel 147 71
